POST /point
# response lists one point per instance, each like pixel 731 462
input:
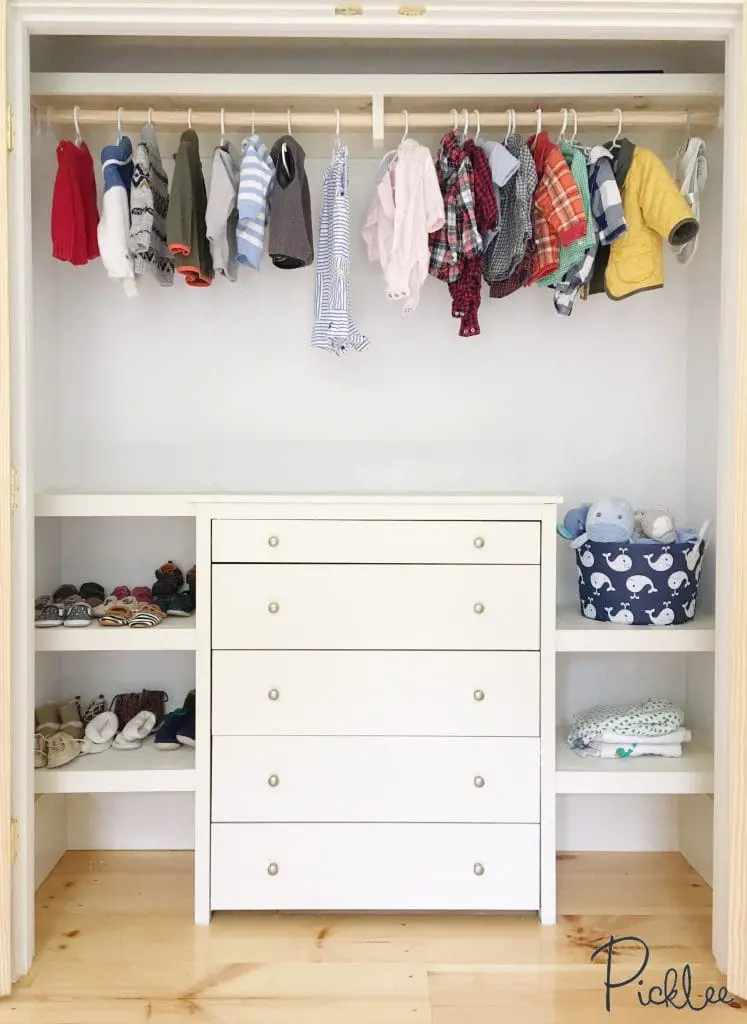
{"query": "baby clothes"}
pixel 406 208
pixel 74 212
pixel 679 736
pixel 334 329
pixel 558 216
pixel 291 242
pixel 222 215
pixel 255 181
pixel 114 226
pixel 149 204
pixel 185 223
pixel 507 248
pixel 614 751
pixel 655 716
pixel 572 253
pixel 691 174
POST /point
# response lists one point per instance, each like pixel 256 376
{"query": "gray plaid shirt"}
pixel 507 248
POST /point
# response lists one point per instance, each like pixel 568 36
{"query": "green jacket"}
pixel 572 254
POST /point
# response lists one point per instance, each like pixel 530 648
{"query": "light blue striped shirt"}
pixel 255 182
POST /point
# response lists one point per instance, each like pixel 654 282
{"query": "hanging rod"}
pixel 328 120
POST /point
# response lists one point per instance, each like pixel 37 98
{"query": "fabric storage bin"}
pixel 639 584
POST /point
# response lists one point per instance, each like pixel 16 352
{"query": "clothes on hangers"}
pixel 221 215
pixel 114 225
pixel 255 182
pixel 503 167
pixel 656 211
pixel 291 233
pixel 75 215
pixel 572 254
pixel 558 213
pixel 407 206
pixel 507 247
pixel 149 204
pixel 691 175
pixel 458 238
pixel 622 157
pixel 185 223
pixel 334 329
pixel 466 292
pixel 609 223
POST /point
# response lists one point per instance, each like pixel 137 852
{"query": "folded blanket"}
pixel 610 751
pixel 678 736
pixel 656 716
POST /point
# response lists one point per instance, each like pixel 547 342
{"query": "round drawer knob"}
pixel 273 607
pixel 477 868
pixel 479 608
pixel 273 694
pixel 479 695
pixel 273 541
pixel 479 542
pixel 272 869
pixel 479 781
pixel 274 781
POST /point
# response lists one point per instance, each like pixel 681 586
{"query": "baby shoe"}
pixel 51 615
pixel 182 605
pixel 147 616
pixel 121 593
pixel 77 612
pixel 62 749
pixel 166 736
pixel 100 733
pixel 64 593
pixel 170 573
pixel 93 593
pixel 96 707
pixel 143 595
pixel 137 729
pixel 70 721
pixel 185 732
pixel 125 706
pixel 155 701
pixel 40 751
pixel 192 582
pixel 47 720
pixel 40 603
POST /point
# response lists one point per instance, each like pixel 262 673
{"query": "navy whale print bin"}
pixel 639 584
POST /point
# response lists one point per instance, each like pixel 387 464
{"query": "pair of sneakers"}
pixel 68 606
pixel 178 728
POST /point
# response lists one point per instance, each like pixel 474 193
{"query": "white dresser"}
pixel 382 704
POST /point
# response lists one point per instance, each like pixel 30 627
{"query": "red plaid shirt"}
pixel 459 238
pixel 558 213
pixel 465 293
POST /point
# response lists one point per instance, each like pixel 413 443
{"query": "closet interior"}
pixel 143 407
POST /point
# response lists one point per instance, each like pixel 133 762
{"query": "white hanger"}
pixel 510 123
pixel 119 123
pixel 564 112
pixel 456 120
pixel 539 121
pixel 78 136
pixel 615 143
pixel 253 132
pixel 189 117
pixel 290 130
pixel 407 126
pixel 575 124
pixel 466 121
pixel 150 115
pixel 284 147
pixel 222 127
pixel 477 132
pixel 337 127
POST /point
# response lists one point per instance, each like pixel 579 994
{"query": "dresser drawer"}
pixel 396 779
pixel 344 540
pixel 375 867
pixel 391 607
pixel 376 693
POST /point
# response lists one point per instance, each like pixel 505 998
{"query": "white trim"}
pixel 203 689
pixel 575 633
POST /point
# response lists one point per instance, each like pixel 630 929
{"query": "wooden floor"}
pixel 116 946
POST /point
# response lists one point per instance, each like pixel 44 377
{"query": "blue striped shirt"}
pixel 255 182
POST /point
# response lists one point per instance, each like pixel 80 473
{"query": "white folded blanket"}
pixel 620 751
pixel 677 736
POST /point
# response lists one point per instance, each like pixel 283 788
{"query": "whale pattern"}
pixel 642 585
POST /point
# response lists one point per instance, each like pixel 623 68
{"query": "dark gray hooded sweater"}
pixel 291 235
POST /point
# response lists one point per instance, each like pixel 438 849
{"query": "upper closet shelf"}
pixel 575 633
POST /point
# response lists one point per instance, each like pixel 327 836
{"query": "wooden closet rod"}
pixel 328 121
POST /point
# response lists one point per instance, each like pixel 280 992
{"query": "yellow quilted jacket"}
pixel 655 210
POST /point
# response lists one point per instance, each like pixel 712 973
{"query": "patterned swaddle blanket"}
pixel 655 716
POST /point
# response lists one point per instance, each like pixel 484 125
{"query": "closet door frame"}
pixel 686 20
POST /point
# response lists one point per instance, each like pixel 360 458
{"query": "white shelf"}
pixel 173 634
pixel 691 773
pixel 146 770
pixel 83 504
pixel 573 632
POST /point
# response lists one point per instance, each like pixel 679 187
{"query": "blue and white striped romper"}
pixel 334 329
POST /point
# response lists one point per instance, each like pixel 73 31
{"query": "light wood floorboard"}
pixel 116 945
